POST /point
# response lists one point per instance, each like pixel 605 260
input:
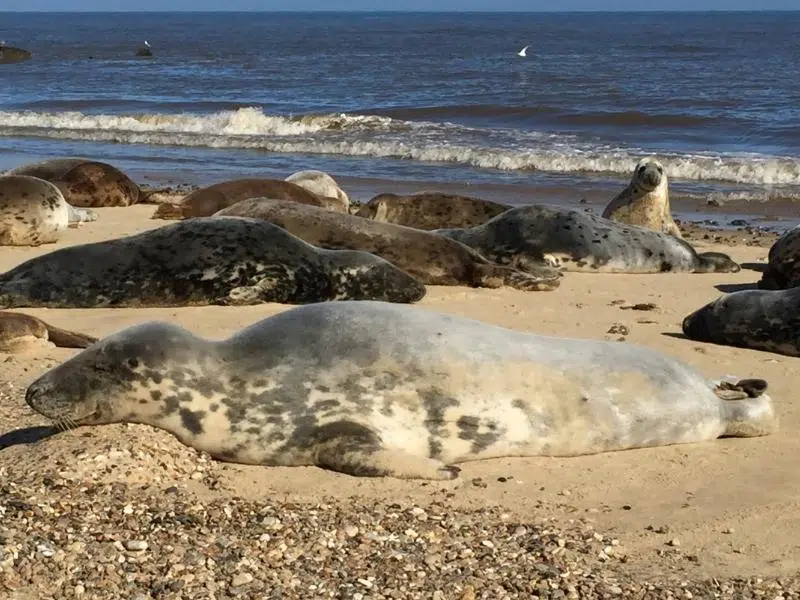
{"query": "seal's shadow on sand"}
pixel 26 435
pixel 672 334
pixel 727 288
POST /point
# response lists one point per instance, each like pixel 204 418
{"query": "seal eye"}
pixel 642 168
pixel 660 168
pixel 131 363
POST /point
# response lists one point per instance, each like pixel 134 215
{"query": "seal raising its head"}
pixel 579 241
pixel 757 319
pixel 86 182
pixel 645 202
pixel 370 388
pixel 323 185
pixel 20 332
pixel 431 210
pixel 220 260
pixel 433 259
pixel 209 200
pixel 783 270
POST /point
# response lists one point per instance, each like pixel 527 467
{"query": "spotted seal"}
pixel 580 241
pixel 209 200
pixel 323 185
pixel 219 260
pixel 758 319
pixel 645 201
pixel 433 259
pixel 783 270
pixel 85 182
pixel 431 210
pixel 375 389
pixel 20 332
pixel 34 212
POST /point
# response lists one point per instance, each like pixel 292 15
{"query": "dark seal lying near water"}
pixel 430 210
pixel 783 270
pixel 221 260
pixel 433 259
pixel 757 319
pixel 579 241
pixel 375 389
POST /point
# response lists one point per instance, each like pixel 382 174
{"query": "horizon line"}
pixel 416 11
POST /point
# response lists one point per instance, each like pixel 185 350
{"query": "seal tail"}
pixel 69 339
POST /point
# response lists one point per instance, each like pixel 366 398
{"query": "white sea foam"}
pixel 376 136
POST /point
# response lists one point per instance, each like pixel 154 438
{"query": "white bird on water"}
pixel 524 52
pixel 146 43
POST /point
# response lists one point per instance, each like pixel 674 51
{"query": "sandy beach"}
pixel 127 511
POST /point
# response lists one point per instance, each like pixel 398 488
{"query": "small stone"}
pixel 241 579
pixel 674 542
pixel 626 507
pixel 136 545
pixel 488 544
pixel 45 550
pixel 728 530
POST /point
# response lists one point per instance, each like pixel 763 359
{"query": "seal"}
pixel 85 182
pixel 433 259
pixel 20 332
pixel 431 210
pixel 10 55
pixel 219 260
pixel 34 212
pixel 580 241
pixel 645 202
pixel 376 389
pixel 209 200
pixel 783 268
pixel 323 185
pixel 758 319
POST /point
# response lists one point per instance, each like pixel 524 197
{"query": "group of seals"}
pixel 85 182
pixel 430 210
pixel 20 332
pixel 375 389
pixel 219 260
pixel 529 236
pixel 433 259
pixel 645 201
pixel 34 212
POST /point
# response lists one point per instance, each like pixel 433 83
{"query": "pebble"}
pixel 241 579
pixel 136 545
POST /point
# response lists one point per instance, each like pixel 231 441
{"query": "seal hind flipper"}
pixel 353 449
pixel 747 409
pixel 492 276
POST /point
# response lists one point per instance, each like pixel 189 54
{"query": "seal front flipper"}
pixel 493 276
pixel 353 449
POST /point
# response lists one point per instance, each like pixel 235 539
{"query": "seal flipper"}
pixel 747 410
pixel 493 276
pixel 354 449
pixel 68 339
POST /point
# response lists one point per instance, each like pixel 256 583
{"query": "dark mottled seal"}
pixel 431 210
pixel 220 260
pixel 579 241
pixel 783 270
pixel 433 259
pixel 209 200
pixel 645 201
pixel 20 332
pixel 373 389
pixel 86 182
pixel 757 319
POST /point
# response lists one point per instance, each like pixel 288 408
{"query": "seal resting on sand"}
pixel 579 241
pixel 34 212
pixel 783 270
pixel 86 182
pixel 375 389
pixel 20 332
pixel 433 259
pixel 431 210
pixel 645 202
pixel 209 200
pixel 220 260
pixel 757 319
pixel 323 185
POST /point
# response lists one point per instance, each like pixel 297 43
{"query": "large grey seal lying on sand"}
pixel 86 182
pixel 369 388
pixel 209 200
pixel 645 201
pixel 20 332
pixel 783 270
pixel 580 241
pixel 430 210
pixel 433 259
pixel 757 319
pixel 34 212
pixel 221 260
pixel 323 185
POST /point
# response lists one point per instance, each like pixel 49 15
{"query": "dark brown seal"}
pixel 86 182
pixel 209 200
pixel 18 330
pixel 433 259
pixel 431 210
